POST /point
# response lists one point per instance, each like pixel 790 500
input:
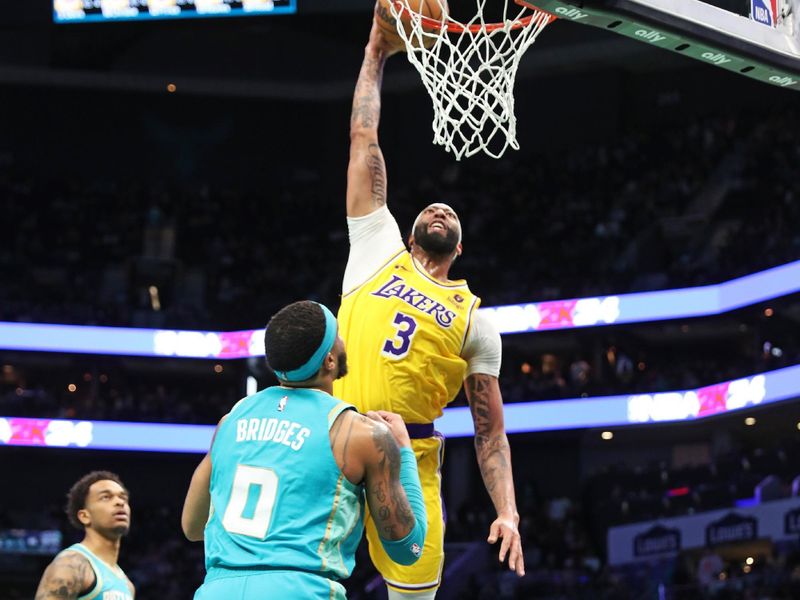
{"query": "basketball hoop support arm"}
pixel 764 53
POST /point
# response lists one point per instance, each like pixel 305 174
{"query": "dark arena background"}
pixel 640 252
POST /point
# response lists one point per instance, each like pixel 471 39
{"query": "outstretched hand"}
pixel 505 528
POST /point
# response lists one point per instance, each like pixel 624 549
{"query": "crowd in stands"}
pixel 563 537
pixel 624 495
pixel 587 221
pixel 698 203
pixel 117 394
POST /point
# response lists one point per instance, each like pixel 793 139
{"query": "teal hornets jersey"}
pixel 278 498
pixel 111 583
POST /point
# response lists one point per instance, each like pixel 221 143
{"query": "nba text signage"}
pixel 779 520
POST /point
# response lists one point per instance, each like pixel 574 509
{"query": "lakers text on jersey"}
pixel 404 332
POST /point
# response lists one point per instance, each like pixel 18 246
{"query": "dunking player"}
pixel 98 504
pixel 414 336
pixel 287 471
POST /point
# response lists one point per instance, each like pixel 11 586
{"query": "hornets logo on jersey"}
pixel 404 332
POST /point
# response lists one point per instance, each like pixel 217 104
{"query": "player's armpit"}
pixel 66 578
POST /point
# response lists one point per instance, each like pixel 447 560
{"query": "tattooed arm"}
pixel 494 459
pixel 66 578
pixel 366 173
pixel 404 505
pixel 366 449
pixel 367 452
pixel 387 500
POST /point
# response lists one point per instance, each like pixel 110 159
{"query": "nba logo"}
pixel 764 11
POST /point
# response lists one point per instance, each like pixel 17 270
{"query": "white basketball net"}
pixel 469 72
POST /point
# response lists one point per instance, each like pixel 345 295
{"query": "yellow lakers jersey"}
pixel 404 332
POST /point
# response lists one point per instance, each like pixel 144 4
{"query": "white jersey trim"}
pixel 374 240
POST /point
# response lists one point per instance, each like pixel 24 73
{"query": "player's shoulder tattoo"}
pixel 66 578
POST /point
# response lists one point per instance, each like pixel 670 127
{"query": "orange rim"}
pixel 454 27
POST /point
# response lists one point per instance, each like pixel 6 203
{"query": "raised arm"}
pixel 494 459
pixel 66 578
pixel 366 173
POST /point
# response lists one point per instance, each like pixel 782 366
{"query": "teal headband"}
pixel 310 368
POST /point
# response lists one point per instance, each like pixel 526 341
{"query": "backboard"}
pixel 765 46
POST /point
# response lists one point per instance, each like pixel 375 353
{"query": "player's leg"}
pixel 424 576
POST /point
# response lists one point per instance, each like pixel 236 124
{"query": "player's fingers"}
pixel 376 416
pixel 505 546
pixel 494 531
pixel 520 570
pixel 388 416
pixel 515 558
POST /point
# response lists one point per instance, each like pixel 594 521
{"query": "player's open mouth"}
pixel 439 226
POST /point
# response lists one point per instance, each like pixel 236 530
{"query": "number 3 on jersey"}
pixel 249 509
pixel 399 345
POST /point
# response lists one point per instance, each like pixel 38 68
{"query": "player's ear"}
pixel 84 517
pixel 459 249
pixel 329 364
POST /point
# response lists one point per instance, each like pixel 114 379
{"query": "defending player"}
pixel 414 336
pixel 279 499
pixel 98 504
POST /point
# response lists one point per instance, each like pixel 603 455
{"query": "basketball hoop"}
pixel 469 71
